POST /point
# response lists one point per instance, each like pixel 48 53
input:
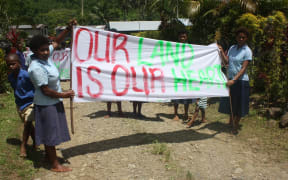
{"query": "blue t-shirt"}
pixel 23 89
pixel 44 72
pixel 236 58
pixel 22 60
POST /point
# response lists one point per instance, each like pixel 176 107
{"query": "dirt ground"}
pixel 120 148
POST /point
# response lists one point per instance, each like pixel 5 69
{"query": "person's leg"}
pixel 176 117
pixel 25 137
pixel 108 110
pixel 186 107
pixel 134 107
pixel 139 108
pixel 203 115
pixel 32 134
pixel 52 157
pixel 231 121
pixel 119 108
pixel 190 123
pixel 235 127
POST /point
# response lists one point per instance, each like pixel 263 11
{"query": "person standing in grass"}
pixel 24 94
pixel 51 125
pixel 238 58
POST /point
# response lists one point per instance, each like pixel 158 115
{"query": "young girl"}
pixel 238 58
pixel 50 126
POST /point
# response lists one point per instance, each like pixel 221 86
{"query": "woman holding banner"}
pixel 50 119
pixel 238 58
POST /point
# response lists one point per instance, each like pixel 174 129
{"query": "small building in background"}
pixel 59 29
pixel 128 27
pixel 32 30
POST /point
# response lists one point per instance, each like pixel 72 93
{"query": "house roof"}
pixel 140 25
pixel 27 26
pixel 92 26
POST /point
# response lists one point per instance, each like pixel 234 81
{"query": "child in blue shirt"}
pixel 24 94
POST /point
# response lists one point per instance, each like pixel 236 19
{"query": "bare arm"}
pixel 239 74
pixel 64 33
pixel 54 94
pixel 223 55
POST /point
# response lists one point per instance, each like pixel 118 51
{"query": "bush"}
pixel 169 30
pixel 4 85
pixel 148 34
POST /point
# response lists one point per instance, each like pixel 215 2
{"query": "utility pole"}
pixel 82 9
pixel 177 9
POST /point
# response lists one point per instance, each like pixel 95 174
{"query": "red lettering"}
pixel 64 55
pixel 145 79
pixel 57 54
pixel 76 45
pixel 121 46
pixel 113 78
pixel 107 48
pixel 79 82
pixel 90 68
pixel 159 78
pixel 134 83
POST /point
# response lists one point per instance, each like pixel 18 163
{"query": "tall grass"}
pixel 11 165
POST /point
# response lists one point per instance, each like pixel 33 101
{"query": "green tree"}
pixel 57 17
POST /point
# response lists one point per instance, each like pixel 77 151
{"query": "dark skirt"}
pixel 239 99
pixel 50 125
pixel 183 101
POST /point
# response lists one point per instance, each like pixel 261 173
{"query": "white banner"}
pixel 108 66
pixel 61 59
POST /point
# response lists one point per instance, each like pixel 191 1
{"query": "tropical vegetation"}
pixel 213 20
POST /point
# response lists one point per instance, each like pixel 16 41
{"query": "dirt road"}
pixel 123 148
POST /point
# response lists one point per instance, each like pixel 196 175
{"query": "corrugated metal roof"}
pixel 134 25
pixel 92 26
pixel 26 26
pixel 22 26
pixel 140 25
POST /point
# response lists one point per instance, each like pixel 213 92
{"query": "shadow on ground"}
pixel 218 127
pixel 130 115
pixel 135 140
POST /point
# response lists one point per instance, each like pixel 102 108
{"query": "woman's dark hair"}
pixel 242 30
pixel 37 41
pixel 182 32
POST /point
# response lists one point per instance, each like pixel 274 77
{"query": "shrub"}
pixel 148 34
pixel 4 85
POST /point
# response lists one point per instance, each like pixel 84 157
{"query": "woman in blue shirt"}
pixel 50 120
pixel 238 58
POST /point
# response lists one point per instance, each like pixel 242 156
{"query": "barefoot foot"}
pixel 204 121
pixel 23 151
pixel 61 169
pixel 107 116
pixel 190 124
pixel 176 118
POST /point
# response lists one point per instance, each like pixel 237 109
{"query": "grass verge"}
pixel 259 133
pixel 11 165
